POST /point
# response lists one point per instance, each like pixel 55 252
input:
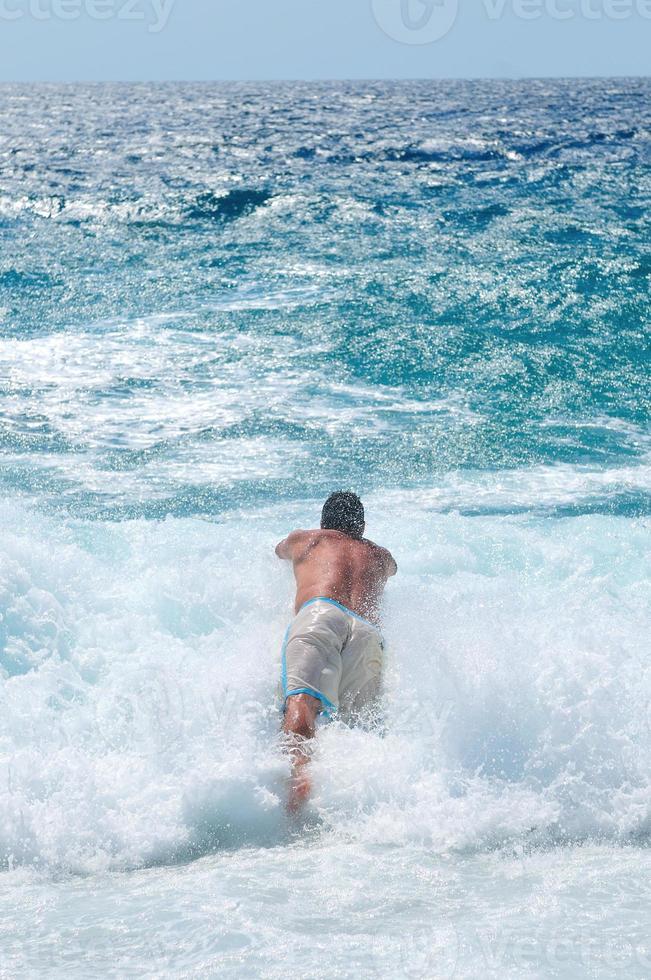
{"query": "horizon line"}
pixel 324 80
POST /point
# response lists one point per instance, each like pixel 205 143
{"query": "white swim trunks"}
pixel 334 655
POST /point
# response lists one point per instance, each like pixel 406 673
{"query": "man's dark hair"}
pixel 343 511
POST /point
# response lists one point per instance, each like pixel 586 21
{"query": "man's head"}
pixel 344 512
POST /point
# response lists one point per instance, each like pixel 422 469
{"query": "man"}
pixel 332 654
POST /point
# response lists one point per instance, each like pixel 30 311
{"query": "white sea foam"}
pixel 141 662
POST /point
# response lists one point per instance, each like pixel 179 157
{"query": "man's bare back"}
pixel 333 565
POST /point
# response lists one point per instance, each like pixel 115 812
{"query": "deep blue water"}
pixel 365 284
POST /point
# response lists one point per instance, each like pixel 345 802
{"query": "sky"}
pixel 131 40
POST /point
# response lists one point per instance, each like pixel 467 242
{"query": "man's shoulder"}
pixel 383 557
pixel 325 534
pixel 300 533
pixel 374 546
pixel 305 536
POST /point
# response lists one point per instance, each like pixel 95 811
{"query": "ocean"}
pixel 218 303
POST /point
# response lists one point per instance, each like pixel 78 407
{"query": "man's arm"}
pixel 390 563
pixel 285 549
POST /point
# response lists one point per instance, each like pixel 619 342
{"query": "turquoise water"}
pixel 217 304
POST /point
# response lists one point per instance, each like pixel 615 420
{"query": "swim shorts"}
pixel 335 656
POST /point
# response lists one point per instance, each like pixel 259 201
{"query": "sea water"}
pixel 218 303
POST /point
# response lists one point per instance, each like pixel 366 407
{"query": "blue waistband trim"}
pixel 333 602
pixel 328 707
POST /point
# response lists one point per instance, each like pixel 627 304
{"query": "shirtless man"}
pixel 332 655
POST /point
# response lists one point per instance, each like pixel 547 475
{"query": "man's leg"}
pixel 301 711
